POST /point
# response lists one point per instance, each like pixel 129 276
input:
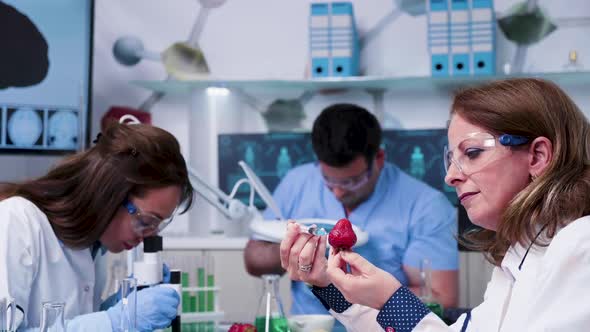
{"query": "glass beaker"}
pixel 270 316
pixel 426 289
pixel 52 317
pixel 128 287
pixel 7 312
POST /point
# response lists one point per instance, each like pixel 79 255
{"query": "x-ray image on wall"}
pixel 45 67
pixel 417 152
pixel 271 156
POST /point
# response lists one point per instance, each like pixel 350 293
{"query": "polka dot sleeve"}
pixel 331 298
pixel 402 312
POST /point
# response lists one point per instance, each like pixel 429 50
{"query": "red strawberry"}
pixel 237 327
pixel 342 236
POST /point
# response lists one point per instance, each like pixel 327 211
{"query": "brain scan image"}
pixel 25 127
pixel 63 130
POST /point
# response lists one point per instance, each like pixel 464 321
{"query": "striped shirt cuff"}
pixel 331 298
pixel 402 312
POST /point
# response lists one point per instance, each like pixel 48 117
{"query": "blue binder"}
pixel 483 37
pixel 319 39
pixel 460 38
pixel 333 40
pixel 438 37
pixel 344 40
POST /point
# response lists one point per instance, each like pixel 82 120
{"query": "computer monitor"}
pixel 45 75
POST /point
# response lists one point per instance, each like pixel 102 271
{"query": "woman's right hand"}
pixel 366 284
pixel 303 256
pixel 156 307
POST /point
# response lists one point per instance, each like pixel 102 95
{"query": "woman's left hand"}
pixel 366 284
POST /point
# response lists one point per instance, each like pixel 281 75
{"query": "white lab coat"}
pixel 35 267
pixel 550 292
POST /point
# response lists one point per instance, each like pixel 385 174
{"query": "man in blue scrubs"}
pixel 407 220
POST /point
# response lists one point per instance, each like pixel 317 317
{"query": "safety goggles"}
pixel 477 150
pixel 144 223
pixel 352 183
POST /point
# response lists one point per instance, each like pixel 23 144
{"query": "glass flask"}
pixel 52 317
pixel 128 287
pixel 426 289
pixel 270 316
pixel 7 311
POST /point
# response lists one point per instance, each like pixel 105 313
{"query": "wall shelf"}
pixel 361 82
pixel 192 317
pixel 171 243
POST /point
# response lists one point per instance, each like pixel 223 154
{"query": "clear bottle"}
pixel 52 317
pixel 270 316
pixel 426 289
pixel 7 313
pixel 128 288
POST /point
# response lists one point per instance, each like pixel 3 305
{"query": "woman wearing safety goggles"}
pixel 55 229
pixel 519 159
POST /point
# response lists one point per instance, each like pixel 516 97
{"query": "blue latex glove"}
pixel 114 298
pixel 156 308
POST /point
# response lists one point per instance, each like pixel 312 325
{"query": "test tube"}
pixel 201 283
pixel 186 295
pixel 426 275
pixel 210 271
pixel 128 287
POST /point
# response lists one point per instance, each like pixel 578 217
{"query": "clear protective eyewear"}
pixel 477 150
pixel 352 183
pixel 146 224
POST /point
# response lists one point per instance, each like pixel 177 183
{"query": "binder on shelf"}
pixel 460 18
pixel 438 37
pixel 483 37
pixel 319 39
pixel 344 40
pixel 333 40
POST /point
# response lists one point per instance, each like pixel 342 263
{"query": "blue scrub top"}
pixel 406 219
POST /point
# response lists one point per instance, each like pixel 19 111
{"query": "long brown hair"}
pixel 82 194
pixel 533 108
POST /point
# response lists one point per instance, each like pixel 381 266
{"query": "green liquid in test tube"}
pixel 193 303
pixel 201 307
pixel 195 326
pixel 201 295
pixel 184 280
pixel 210 293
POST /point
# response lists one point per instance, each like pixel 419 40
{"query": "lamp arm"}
pixel 230 207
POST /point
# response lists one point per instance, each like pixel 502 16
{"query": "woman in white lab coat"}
pixel 54 229
pixel 519 159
